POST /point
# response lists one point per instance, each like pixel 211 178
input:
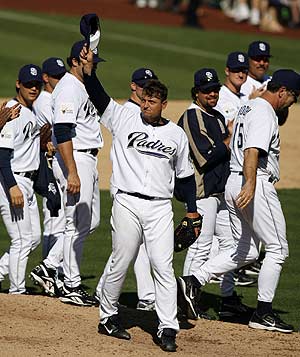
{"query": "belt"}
pixel 93 152
pixel 140 195
pixel 27 174
pixel 270 179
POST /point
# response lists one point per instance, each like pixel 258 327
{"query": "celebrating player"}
pixel 148 151
pixel 78 136
pixel 19 160
pixel 254 208
pixel 142 267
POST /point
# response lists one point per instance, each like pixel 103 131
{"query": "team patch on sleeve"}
pixel 7 138
pixel 67 108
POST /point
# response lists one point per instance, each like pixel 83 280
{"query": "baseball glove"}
pixel 184 234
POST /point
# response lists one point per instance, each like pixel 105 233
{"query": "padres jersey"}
pixel 23 137
pixel 71 104
pixel 132 106
pixel 247 87
pixel 256 126
pixel 43 110
pixel 140 151
pixel 229 103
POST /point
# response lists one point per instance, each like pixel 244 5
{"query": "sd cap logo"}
pixel 148 72
pixel 209 76
pixel 262 46
pixel 241 58
pixel 60 63
pixel 33 71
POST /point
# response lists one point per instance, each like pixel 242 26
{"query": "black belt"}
pixel 270 179
pixel 140 195
pixel 28 174
pixel 93 152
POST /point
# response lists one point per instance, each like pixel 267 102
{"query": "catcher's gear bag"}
pixel 184 234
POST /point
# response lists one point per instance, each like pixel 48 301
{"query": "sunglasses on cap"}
pixel 210 90
pixel 238 70
pixel 260 58
pixel 32 84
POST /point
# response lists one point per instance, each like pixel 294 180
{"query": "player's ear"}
pixel 133 86
pixel 164 104
pixel 45 77
pixel 18 84
pixel 227 71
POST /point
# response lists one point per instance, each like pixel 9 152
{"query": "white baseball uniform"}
pixel 22 224
pixel 262 220
pixel 142 266
pixel 145 160
pixel 247 87
pixel 53 227
pixel 71 104
pixel 229 103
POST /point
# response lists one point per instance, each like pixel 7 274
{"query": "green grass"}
pixel 98 247
pixel 174 53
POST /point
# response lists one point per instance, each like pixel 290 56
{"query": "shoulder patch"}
pixel 67 108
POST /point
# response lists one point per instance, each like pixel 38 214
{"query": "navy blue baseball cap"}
pixel 206 78
pixel 29 73
pixel 237 60
pixel 259 48
pixel 76 49
pixel 287 78
pixel 142 75
pixel 89 25
pixel 54 66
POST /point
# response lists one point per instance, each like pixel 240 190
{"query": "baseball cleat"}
pixel 167 340
pixel 146 305
pixel 270 322
pixel 232 306
pixel 252 269
pixel 45 278
pixel 188 294
pixel 76 296
pixel 113 327
pixel 242 279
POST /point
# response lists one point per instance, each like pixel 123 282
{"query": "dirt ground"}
pixel 41 326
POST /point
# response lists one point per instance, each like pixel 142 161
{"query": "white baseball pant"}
pixel 261 221
pixel 82 211
pixel 134 221
pixel 23 227
pixel 215 223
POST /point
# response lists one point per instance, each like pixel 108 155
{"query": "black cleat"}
pixel 46 278
pixel 270 322
pixel 189 292
pixel 167 340
pixel 242 279
pixel 113 328
pixel 232 306
pixel 76 296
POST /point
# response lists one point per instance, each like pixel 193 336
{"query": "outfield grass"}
pixel 98 248
pixel 174 53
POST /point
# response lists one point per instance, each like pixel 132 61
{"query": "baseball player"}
pixel 209 139
pixel 259 57
pixel 230 95
pixel 148 151
pixel 229 102
pixel 254 208
pixel 19 160
pixel 142 267
pixel 45 274
pixel 78 137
